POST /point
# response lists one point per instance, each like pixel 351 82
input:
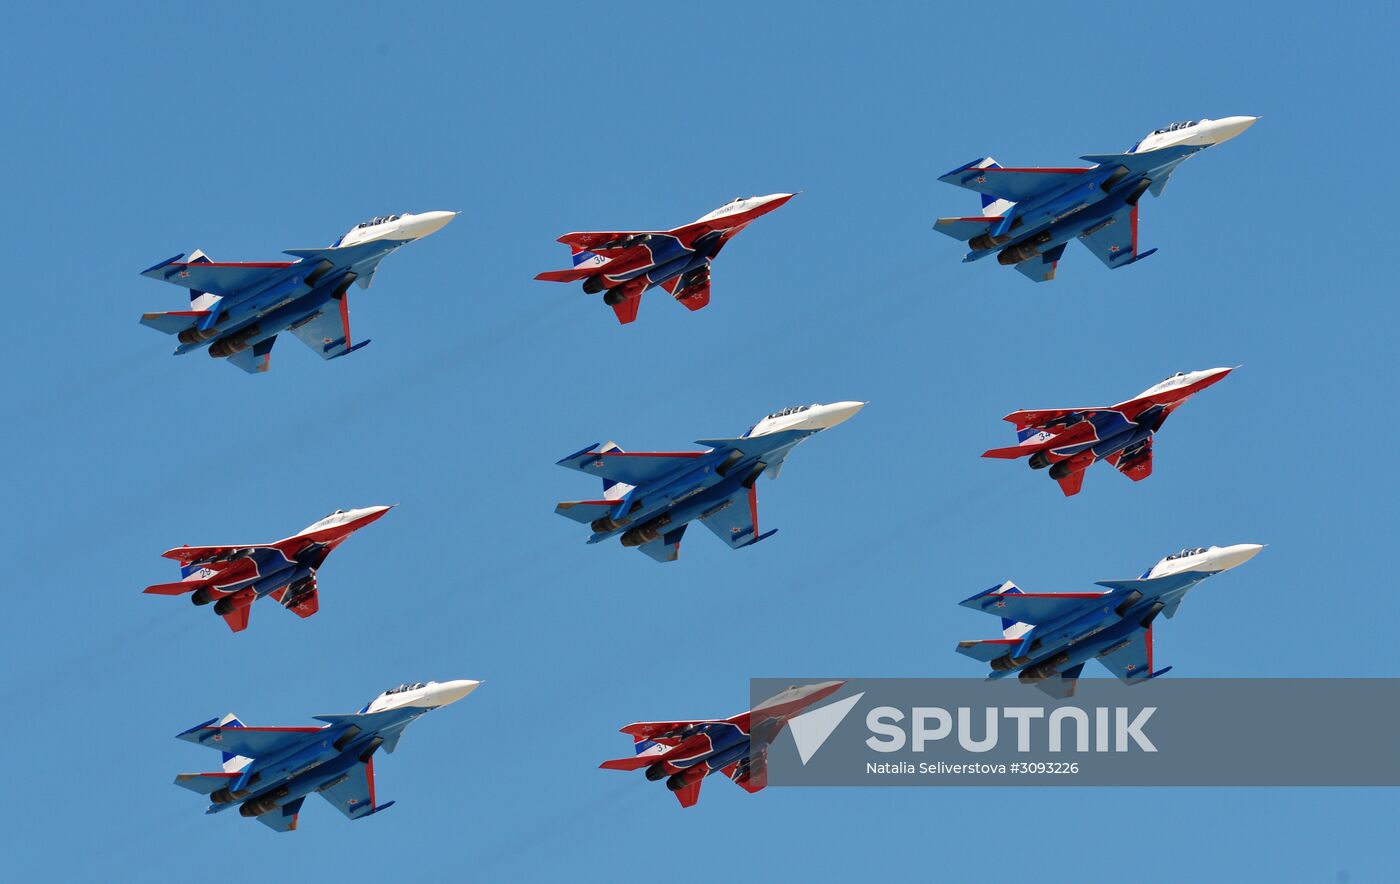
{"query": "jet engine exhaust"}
pixel 233 343
pixel 593 285
pixel 645 533
pixel 195 336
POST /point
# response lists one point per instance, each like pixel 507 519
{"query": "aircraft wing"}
pixel 1114 240
pixel 659 731
pixel 251 742
pixel 307 602
pixel 692 289
pixel 216 277
pixel 757 777
pixel 1014 184
pixel 631 467
pixel 1032 607
pixel 1135 461
pixel 1141 163
pixel 1025 420
pixel 604 240
pixel 196 555
pixel 666 548
pixel 735 520
pixel 353 795
pixel 1131 659
pixel 1061 686
pixel 284 818
pixel 327 331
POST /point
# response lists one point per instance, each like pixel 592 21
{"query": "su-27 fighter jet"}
pixel 1048 636
pixel 233 577
pixel 685 752
pixel 238 309
pixel 624 264
pixel 649 497
pixel 269 771
pixel 1070 440
pixel 1029 215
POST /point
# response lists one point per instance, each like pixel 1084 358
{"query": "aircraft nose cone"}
pixel 447 692
pixel 369 514
pixel 828 416
pixel 1224 130
pixel 427 223
pixel 1226 557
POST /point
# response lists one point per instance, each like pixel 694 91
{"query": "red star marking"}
pixel 1113 248
pixel 981 179
pixel 1131 666
pixel 598 462
pixel 184 274
pixel 1001 604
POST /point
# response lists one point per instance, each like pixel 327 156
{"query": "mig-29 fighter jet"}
pixel 238 309
pixel 1029 215
pixel 685 752
pixel 624 264
pixel 1048 636
pixel 269 771
pixel 649 497
pixel 1070 440
pixel 233 577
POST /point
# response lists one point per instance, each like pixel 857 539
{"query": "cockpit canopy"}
pixel 1180 374
pixel 1174 127
pixel 380 219
pixel 333 514
pixel 793 409
pixel 1185 552
pixel 407 687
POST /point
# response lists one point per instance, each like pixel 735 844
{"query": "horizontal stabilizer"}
pixel 584 511
pixel 988 650
pixel 573 274
pixel 205 783
pixel 173 322
pixel 651 730
pixel 963 229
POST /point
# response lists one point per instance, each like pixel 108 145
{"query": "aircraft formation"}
pixel 649 498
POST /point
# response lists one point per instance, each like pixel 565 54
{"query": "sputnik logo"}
pixel 811 729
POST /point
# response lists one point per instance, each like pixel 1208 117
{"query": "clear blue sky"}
pixel 132 134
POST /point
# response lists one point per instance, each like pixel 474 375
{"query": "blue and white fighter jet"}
pixel 1029 215
pixel 269 771
pixel 649 497
pixel 1048 636
pixel 238 309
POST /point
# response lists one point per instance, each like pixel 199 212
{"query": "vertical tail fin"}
pixel 993 206
pixel 584 257
pixel 200 300
pixel 1010 628
pixel 233 762
pixel 613 489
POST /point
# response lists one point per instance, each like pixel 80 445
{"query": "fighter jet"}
pixel 1069 440
pixel 685 752
pixel 1030 214
pixel 650 496
pixel 233 577
pixel 1048 636
pixel 624 264
pixel 238 309
pixel 269 771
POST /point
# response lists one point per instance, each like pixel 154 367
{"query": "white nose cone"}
pixel 1223 558
pixel 826 416
pixel 1223 130
pixel 443 693
pixel 419 226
